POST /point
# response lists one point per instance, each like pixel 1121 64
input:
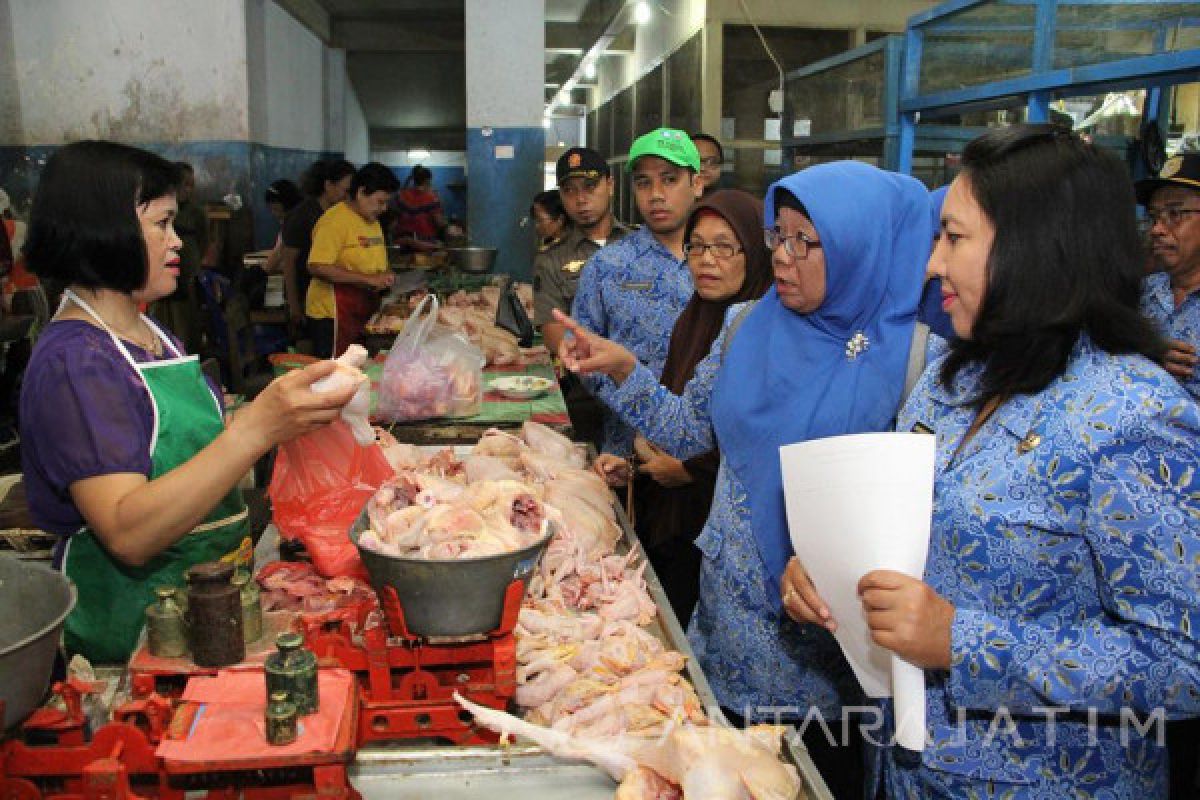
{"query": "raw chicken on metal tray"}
pixel 593 682
pixel 696 762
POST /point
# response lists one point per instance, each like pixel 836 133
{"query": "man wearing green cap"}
pixel 631 292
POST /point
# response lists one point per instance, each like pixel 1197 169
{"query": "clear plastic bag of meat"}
pixel 319 486
pixel 430 372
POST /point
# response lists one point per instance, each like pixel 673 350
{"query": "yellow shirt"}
pixel 344 239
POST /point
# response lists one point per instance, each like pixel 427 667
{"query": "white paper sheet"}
pixel 856 504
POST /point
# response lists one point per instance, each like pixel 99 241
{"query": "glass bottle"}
pixel 293 669
pixel 166 633
pixel 252 620
pixel 281 719
pixel 214 616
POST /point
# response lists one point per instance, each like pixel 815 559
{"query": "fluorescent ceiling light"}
pixel 417 155
pixel 641 13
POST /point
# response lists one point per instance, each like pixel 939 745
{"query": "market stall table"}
pixel 498 411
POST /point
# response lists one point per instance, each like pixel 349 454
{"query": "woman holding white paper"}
pixel 1055 618
pixel 822 353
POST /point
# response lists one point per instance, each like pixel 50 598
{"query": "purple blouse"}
pixel 84 412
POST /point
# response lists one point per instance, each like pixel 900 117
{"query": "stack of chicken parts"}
pixel 594 684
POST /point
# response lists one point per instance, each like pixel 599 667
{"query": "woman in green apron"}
pixel 125 450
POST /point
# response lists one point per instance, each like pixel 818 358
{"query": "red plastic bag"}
pixel 320 485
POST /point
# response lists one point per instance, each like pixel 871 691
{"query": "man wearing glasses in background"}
pixel 1171 294
pixel 712 156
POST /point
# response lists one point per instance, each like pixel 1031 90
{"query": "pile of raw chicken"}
pixel 473 314
pixel 593 682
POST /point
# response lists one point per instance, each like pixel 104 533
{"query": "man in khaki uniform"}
pixel 586 187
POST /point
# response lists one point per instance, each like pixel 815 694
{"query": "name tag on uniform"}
pixel 573 266
pixel 637 286
pixel 921 427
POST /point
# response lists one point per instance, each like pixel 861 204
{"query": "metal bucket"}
pixel 477 260
pixel 29 638
pixel 452 597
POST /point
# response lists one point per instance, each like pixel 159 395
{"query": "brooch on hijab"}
pixel 857 345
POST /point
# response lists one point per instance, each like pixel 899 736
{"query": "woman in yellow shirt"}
pixel 348 263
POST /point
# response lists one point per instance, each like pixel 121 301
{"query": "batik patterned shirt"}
pixel 1182 323
pixel 631 292
pixel 757 660
pixel 1066 533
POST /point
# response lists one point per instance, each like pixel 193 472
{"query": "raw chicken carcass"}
pixel 349 373
pixel 552 443
pixel 706 762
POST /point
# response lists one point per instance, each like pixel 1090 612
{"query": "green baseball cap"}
pixel 668 144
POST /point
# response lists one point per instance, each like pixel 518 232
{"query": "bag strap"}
pixel 734 324
pixel 916 360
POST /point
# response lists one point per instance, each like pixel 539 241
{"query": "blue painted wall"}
pixel 450 184
pixel 244 168
pixel 501 190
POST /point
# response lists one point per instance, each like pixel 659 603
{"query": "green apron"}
pixel 113 597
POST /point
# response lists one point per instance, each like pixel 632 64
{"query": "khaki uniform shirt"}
pixel 556 270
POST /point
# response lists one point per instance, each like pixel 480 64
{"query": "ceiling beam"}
pixel 430 36
pixel 386 138
pixel 311 15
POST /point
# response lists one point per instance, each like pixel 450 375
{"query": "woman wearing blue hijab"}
pixel 823 353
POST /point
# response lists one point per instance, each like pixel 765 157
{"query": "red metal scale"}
pixel 407 682
pixel 51 757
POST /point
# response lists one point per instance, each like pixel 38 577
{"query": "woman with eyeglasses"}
pixel 1056 619
pixel 730 264
pixel 822 353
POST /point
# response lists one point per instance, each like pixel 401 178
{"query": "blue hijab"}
pixel 930 310
pixel 786 377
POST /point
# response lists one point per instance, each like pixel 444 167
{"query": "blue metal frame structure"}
pixel 929 138
pixel 1044 82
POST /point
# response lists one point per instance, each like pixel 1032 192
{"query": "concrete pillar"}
pixel 505 138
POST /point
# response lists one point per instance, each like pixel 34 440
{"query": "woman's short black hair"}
pixel 419 176
pixel 312 182
pixel 550 202
pixel 285 193
pixel 374 177
pixel 84 228
pixel 1066 259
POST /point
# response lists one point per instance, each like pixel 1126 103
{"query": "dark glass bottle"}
pixel 293 669
pixel 214 616
pixel 166 633
pixel 281 719
pixel 252 621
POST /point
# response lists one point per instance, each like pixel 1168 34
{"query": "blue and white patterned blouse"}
pixel 1183 323
pixel 1067 536
pixel 758 661
pixel 631 292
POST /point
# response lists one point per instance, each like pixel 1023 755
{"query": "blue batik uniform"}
pixel 1182 323
pixel 787 377
pixel 631 292
pixel 754 657
pixel 1066 533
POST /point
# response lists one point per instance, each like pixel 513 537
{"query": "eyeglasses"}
pixel 720 250
pixel 1171 217
pixel 796 246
